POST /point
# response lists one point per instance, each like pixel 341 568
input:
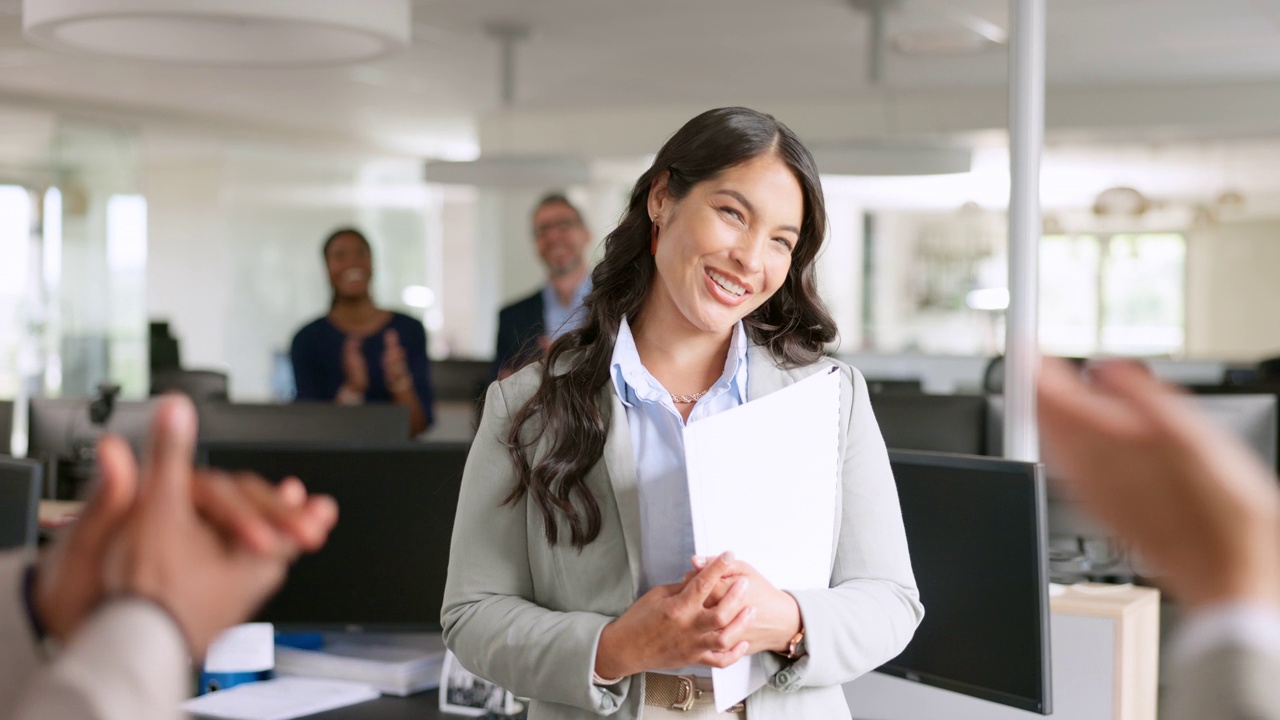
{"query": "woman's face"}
pixel 350 266
pixel 725 248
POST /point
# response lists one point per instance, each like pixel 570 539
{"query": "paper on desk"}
pixel 280 699
pixel 763 479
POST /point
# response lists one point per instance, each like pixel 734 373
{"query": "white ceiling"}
pixel 610 53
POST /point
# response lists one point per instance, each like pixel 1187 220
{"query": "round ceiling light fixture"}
pixel 222 32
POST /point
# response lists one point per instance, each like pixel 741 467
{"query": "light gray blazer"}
pixel 128 661
pixel 528 615
pixel 1229 683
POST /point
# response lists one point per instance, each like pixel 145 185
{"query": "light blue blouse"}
pixel 657 438
pixel 558 318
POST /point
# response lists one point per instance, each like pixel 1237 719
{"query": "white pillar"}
pixel 1026 138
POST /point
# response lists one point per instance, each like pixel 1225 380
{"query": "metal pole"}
pixel 1026 138
pixel 508 34
pixel 875 62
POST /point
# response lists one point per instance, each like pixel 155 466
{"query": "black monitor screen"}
pixel 19 503
pixel 385 562
pixel 936 423
pixel 304 422
pixel 975 527
pixel 6 426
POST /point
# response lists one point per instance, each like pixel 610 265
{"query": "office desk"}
pixel 1105 646
pixel 423 706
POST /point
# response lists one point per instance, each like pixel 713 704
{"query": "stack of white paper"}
pixel 393 669
pixel 279 699
pixel 763 480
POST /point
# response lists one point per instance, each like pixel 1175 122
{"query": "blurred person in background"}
pixel 526 328
pixel 358 352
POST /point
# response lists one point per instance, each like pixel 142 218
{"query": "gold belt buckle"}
pixel 689 694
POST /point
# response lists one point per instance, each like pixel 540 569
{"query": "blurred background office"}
pixel 190 190
pixel 163 187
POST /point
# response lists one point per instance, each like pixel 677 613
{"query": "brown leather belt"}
pixel 680 692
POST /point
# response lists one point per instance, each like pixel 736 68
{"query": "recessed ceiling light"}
pixel 222 32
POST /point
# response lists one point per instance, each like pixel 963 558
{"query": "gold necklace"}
pixel 686 399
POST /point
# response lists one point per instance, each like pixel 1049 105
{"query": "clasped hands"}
pixel 206 546
pixel 721 611
pixel 395 366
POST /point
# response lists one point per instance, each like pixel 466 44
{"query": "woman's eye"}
pixel 785 243
pixel 731 212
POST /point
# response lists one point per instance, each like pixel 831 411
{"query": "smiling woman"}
pixel 359 352
pixel 572 579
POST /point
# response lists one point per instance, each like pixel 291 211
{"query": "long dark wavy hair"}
pixel 793 324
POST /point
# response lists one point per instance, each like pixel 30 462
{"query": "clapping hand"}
pixel 207 546
pixel 395 365
pixel 1202 510
pixel 355 373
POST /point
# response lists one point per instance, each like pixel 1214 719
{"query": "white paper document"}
pixel 280 699
pixel 763 479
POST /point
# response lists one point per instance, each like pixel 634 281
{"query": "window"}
pixel 1121 294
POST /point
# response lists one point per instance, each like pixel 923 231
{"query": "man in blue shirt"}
pixel 527 327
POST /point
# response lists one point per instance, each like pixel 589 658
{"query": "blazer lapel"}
pixel 763 374
pixel 620 464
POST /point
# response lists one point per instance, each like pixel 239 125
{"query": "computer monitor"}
pixel 1083 547
pixel 20 484
pixel 1250 417
pixel 385 562
pixel 1248 413
pixel 976 530
pixel 304 422
pixel 6 427
pixel 936 423
pixel 62 434
pixel 880 386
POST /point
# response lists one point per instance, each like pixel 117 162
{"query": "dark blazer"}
pixel 520 324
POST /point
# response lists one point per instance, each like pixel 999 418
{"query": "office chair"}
pixel 455 379
pixel 199 385
pixel 993 375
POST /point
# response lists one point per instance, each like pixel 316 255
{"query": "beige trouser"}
pixel 702 709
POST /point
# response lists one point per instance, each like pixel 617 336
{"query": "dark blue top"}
pixel 316 354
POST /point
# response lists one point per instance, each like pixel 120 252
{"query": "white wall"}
pixel 235 237
pixel 840 268
pixel 235 231
pixel 189 257
pixel 1233 290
